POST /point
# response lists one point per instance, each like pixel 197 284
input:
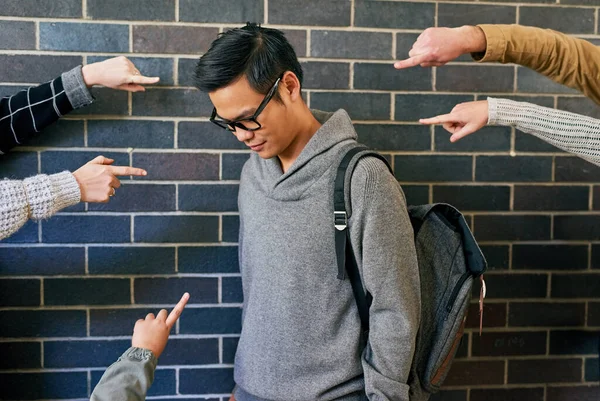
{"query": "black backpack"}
pixel 446 284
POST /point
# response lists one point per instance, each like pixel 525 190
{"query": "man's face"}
pixel 238 101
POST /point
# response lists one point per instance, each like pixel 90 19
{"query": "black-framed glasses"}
pixel 248 123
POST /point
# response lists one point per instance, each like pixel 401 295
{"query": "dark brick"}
pixel 109 102
pixel 575 285
pixel 32 69
pixel 191 351
pixel 433 168
pixel 529 81
pixel 416 194
pixel 494 315
pixel 529 143
pixel 310 12
pixel 172 39
pixel 179 166
pixel 404 43
pixel 206 135
pixel 211 321
pixel 229 348
pixel 232 165
pixel 63 133
pixel 475 373
pixel 35 386
pixel 342 44
pixel 536 314
pixel 385 14
pixel 487 139
pixel 475 78
pixel 212 381
pixel 325 75
pixel 593 314
pixel 208 198
pixel 563 19
pixel 85 229
pixel 131 260
pixel 185 71
pixel 544 371
pixel 169 290
pixel 550 257
pixel 578 227
pixel 208 259
pixel 414 107
pixel 88 291
pixel 508 168
pixel 386 77
pixel 43 323
pixel 57 161
pixel 503 394
pixel 18 165
pixel 37 8
pixel 232 290
pixel 164 381
pixel 236 11
pixel 576 169
pixel 17 35
pixel 454 15
pixel 83 354
pixel 27 234
pixel 172 102
pixel 473 197
pixel 231 228
pixel 150 66
pixel 394 137
pixel 496 256
pixel 39 261
pixel 141 10
pixel 510 285
pixel 106 38
pixel 510 343
pixel 20 355
pixel 592 370
pixel 579 105
pixel 512 228
pixel 596 198
pixel 15 292
pixel 297 39
pixel 176 229
pixel 116 322
pixel 568 342
pixel 573 393
pixel 140 198
pixel 551 197
pixel 449 395
pixel 360 106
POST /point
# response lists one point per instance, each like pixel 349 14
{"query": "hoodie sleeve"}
pixel 382 239
pixel 128 379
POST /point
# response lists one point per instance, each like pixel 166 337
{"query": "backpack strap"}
pixel 346 260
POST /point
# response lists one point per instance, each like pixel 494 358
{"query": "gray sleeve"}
pixel 78 93
pixel 128 379
pixel 38 197
pixel 382 238
pixel 571 132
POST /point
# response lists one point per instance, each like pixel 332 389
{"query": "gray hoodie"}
pixel 301 336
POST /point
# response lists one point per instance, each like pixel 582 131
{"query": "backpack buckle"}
pixel 340 220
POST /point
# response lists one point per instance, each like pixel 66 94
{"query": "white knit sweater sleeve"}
pixel 38 197
pixel 571 132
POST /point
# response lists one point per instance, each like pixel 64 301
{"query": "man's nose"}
pixel 243 135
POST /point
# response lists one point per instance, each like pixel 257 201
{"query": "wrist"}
pixel 474 40
pixel 89 75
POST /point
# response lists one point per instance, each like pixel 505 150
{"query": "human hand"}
pixel 437 46
pixel 152 333
pixel 116 73
pixel 97 179
pixel 464 119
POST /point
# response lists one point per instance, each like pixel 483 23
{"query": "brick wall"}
pixel 72 287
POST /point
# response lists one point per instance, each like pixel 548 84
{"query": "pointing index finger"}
pixel 177 310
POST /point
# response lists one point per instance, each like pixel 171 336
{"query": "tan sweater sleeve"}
pixel 562 58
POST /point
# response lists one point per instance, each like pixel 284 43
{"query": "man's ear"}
pixel 291 86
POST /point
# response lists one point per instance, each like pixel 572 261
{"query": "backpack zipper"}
pixel 456 290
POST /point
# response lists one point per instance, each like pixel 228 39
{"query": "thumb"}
pixel 466 130
pixel 101 160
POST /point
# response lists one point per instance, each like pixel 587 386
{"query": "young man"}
pixel 301 337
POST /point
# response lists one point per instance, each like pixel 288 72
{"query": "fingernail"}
pixel 144 172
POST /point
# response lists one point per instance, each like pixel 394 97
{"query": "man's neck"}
pixel 308 127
